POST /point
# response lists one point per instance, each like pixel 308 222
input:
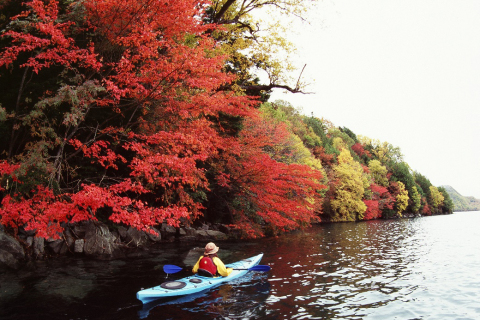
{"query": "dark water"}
pixel 423 268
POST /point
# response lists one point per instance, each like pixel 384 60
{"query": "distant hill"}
pixel 462 203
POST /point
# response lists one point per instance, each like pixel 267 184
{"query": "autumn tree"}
pixel 297 123
pixel 379 201
pixel 378 172
pixel 252 35
pixel 402 198
pixel 266 189
pixel 350 185
pixel 340 139
pixel 363 154
pixel 436 198
pixel 424 189
pixel 385 152
pixel 112 107
pixel 416 199
pixel 327 159
pixel 448 205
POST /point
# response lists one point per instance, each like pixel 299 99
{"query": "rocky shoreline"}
pixel 96 240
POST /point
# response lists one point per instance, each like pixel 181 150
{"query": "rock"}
pixel 223 228
pixel 100 243
pixel 78 246
pixel 56 246
pixel 155 238
pixel 211 235
pixel 122 231
pixel 69 238
pixel 8 260
pixel 136 237
pixel 65 287
pixel 11 252
pixel 192 256
pixel 11 245
pixel 190 232
pixel 80 229
pixel 29 241
pixel 168 231
pixel 182 232
pixel 188 238
pixel 28 233
pixel 38 246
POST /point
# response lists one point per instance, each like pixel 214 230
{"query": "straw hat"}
pixel 210 248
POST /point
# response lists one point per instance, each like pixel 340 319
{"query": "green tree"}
pixel 284 111
pixel 416 199
pixel 424 185
pixel 448 205
pixel 385 152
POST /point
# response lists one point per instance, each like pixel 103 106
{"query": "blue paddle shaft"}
pixel 170 268
pixel 257 268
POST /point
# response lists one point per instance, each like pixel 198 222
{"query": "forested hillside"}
pixel 145 112
pixel 462 203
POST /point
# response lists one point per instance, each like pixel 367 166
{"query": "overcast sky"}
pixel 405 72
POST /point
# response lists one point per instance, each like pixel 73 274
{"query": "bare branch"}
pixel 273 86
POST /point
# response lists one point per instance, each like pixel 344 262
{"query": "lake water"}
pixel 422 268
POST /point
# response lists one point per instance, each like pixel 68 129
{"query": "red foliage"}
pixel 174 86
pixel 360 151
pixel 426 210
pixel 152 61
pixel 284 196
pixel 381 199
pixel 326 158
pixel 373 211
pixel 50 40
pixel 277 192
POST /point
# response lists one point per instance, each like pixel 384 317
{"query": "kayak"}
pixel 195 283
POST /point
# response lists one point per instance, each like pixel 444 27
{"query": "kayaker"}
pixel 210 264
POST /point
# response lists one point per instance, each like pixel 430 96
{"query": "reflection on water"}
pixel 423 268
pixel 343 270
pixel 243 298
pixel 409 269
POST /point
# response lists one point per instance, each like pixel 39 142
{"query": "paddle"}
pixel 170 268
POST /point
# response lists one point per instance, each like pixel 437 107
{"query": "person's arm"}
pixel 197 265
pixel 221 269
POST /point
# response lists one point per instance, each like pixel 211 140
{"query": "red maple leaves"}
pixel 134 129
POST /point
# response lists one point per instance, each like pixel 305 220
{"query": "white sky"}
pixel 406 72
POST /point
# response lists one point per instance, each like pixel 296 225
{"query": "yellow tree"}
pixel 378 172
pixel 436 197
pixel 401 202
pixel 350 184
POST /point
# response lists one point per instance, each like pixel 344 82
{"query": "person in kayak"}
pixel 210 264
